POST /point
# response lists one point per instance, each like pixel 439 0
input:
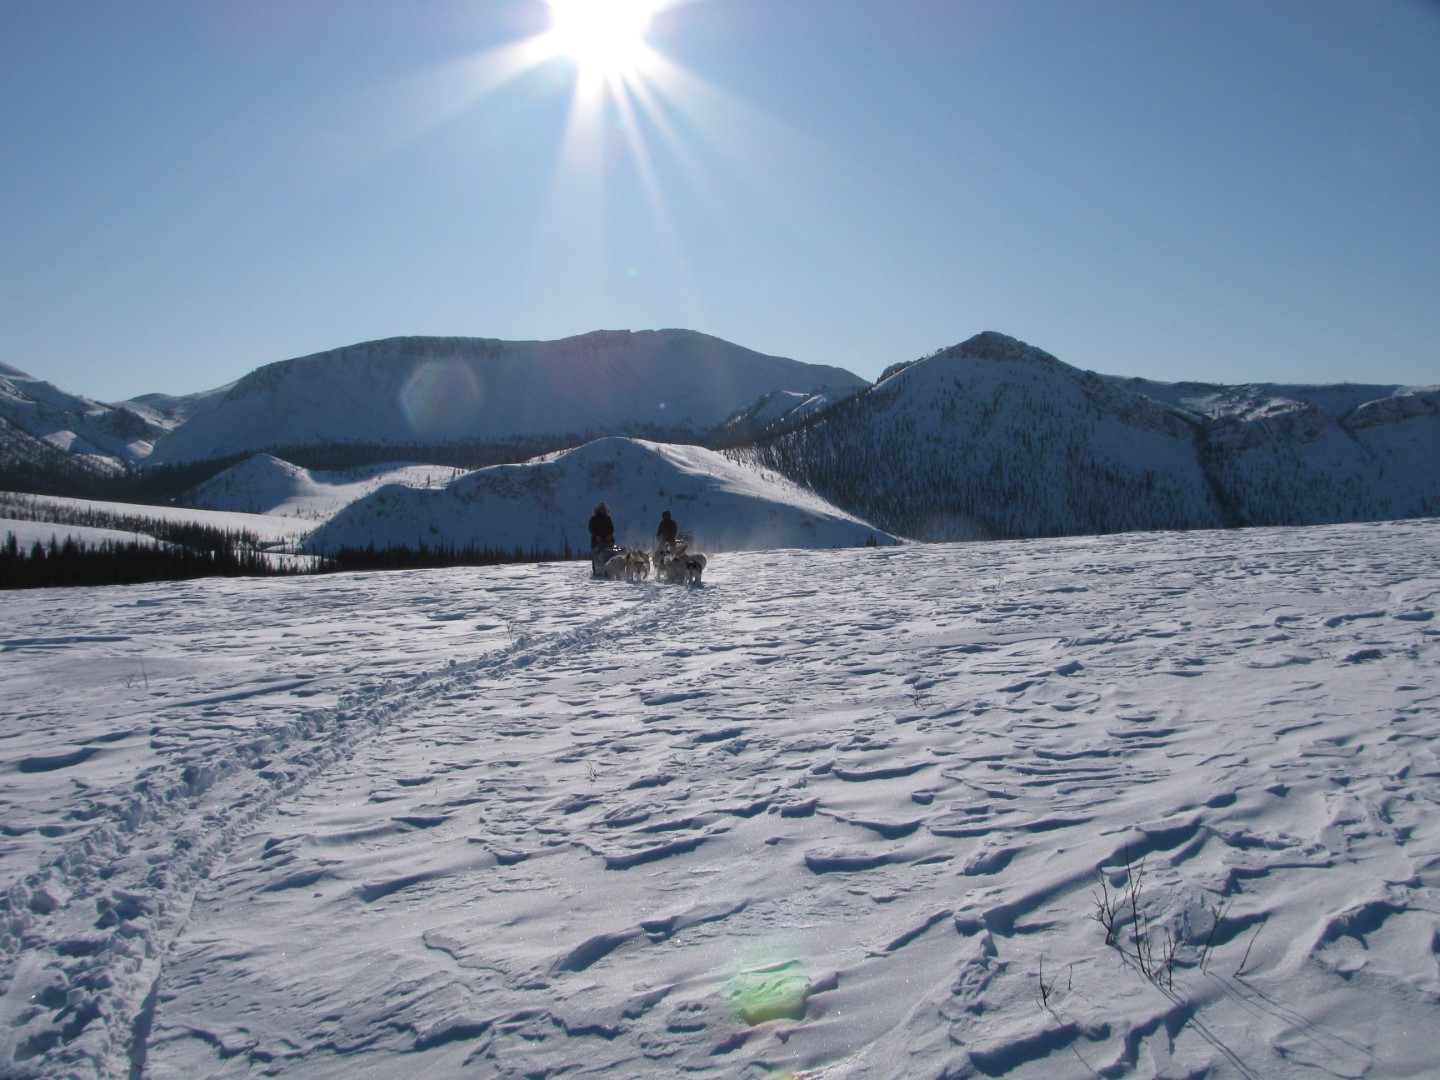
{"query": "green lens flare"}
pixel 777 992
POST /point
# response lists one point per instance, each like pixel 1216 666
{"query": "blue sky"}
pixel 1228 191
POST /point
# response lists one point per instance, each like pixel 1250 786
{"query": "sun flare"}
pixel 603 38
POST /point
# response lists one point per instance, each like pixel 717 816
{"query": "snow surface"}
pixel 834 814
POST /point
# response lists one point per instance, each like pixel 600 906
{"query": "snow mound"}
pixel 543 505
pixel 267 485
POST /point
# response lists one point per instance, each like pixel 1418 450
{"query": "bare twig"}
pixel 1217 913
pixel 1172 949
pixel 1046 989
pixel 1240 971
pixel 1142 937
pixel 1156 952
pixel 1107 906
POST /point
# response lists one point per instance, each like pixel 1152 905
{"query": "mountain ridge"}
pixel 994 438
pixel 422 390
pixel 990 437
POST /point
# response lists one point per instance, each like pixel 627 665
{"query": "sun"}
pixel 603 38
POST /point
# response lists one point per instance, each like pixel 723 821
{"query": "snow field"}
pixel 833 814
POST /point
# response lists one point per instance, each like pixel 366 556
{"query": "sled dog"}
pixel 677 564
pixel 632 564
pixel 694 567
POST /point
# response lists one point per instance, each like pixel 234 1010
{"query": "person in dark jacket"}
pixel 602 529
pixel 602 539
pixel 665 534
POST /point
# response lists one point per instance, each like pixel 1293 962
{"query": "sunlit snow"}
pixel 833 814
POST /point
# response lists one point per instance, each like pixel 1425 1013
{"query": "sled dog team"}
pixel 673 561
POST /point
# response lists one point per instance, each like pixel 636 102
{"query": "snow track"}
pixel 85 931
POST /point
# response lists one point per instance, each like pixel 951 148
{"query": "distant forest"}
pixel 128 562
pixel 183 550
pixel 218 554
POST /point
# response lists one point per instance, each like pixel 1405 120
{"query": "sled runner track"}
pixel 84 936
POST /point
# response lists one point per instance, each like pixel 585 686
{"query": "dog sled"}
pixel 673 563
pixel 615 563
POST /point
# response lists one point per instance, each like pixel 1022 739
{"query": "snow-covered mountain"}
pixel 773 413
pixel 988 438
pixel 31 464
pixel 419 391
pixel 995 438
pixel 169 411
pixel 543 505
pixel 1291 454
pixel 98 438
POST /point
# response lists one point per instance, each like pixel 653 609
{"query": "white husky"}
pixel 632 564
pixel 694 567
pixel 677 564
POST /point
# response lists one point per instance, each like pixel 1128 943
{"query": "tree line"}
pixel 437 556
pixel 217 553
pixel 125 562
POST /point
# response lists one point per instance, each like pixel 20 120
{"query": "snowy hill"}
pixel 1287 454
pixel 424 391
pixel 859 814
pixel 31 464
pixel 48 515
pixel 543 505
pixel 1294 462
pixel 995 438
pixel 267 485
pixel 98 438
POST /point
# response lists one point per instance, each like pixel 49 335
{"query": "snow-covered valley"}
pixel 834 814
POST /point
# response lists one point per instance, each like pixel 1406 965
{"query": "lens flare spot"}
pixel 442 397
pixel 777 992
